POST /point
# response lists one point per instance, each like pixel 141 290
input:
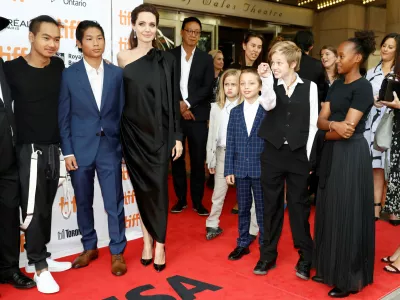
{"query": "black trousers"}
pixel 196 134
pixel 38 233
pixel 9 222
pixel 278 165
pixel 9 201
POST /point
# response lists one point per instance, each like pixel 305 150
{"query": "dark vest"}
pixel 290 119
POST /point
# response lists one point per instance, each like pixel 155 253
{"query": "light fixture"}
pixel 303 2
pixel 327 3
pixel 367 1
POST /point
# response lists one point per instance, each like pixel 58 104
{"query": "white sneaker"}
pixel 53 266
pixel 45 283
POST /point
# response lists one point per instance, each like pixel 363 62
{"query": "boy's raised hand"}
pixel 264 70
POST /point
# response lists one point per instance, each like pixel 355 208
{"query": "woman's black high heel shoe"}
pixel 377 204
pixel 146 262
pixel 159 268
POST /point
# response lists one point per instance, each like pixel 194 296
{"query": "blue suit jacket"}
pixel 79 117
pixel 242 157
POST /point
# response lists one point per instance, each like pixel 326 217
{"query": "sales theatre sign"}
pixel 251 9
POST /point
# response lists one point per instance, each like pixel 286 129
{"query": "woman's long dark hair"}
pixel 134 15
pixel 246 39
pixel 396 37
pixel 397 57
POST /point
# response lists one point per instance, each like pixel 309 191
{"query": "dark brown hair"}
pixel 334 51
pixel 247 37
pixel 134 15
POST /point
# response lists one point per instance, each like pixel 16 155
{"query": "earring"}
pixel 134 34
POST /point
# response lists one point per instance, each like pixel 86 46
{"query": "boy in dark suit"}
pixel 243 149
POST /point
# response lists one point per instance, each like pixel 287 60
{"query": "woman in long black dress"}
pixel 150 127
pixel 344 221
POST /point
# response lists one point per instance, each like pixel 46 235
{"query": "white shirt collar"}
pixel 183 52
pixel 90 69
pixel 247 105
pixel 298 80
pixel 229 103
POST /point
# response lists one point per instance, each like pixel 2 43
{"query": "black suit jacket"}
pixel 200 82
pixel 7 98
pixel 312 69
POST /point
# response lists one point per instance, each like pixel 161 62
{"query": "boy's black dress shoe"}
pixel 238 253
pixel 263 267
pixel 19 281
pixel 317 279
pixel 338 293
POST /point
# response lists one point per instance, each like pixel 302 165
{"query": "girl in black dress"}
pixel 150 127
pixel 344 221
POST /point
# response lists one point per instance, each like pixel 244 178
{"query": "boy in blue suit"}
pixel 90 108
pixel 243 149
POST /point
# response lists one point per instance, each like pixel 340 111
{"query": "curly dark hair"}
pixel 364 42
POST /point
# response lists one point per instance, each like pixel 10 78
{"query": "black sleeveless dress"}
pixel 149 125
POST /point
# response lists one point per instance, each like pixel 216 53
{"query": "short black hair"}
pixel 85 25
pixel 35 23
pixel 304 39
pixel 190 19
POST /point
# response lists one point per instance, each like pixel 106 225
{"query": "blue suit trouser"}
pixel 246 188
pixel 107 164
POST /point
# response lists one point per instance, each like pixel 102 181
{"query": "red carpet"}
pixel 189 255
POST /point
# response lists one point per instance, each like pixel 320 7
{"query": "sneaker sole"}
pixel 51 269
pixel 264 272
pixel 178 211
pixel 209 238
pixel 302 276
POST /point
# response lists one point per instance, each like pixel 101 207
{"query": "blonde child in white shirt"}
pixel 227 98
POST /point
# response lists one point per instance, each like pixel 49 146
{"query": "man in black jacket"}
pixel 9 190
pixel 311 68
pixel 196 79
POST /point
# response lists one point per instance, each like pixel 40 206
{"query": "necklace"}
pixel 288 87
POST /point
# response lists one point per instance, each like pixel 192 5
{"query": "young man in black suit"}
pixel 196 79
pixel 9 190
pixel 311 68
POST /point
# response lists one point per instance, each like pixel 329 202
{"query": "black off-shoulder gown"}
pixel 148 127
